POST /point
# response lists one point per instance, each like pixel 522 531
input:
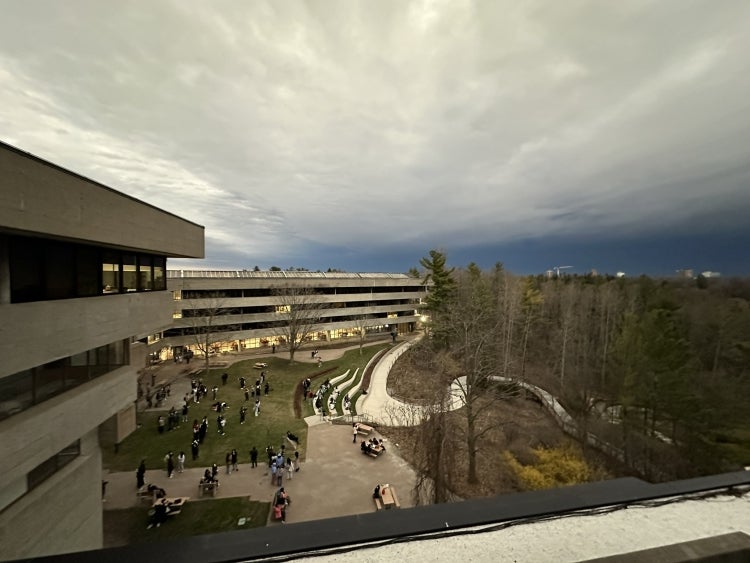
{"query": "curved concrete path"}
pixel 381 408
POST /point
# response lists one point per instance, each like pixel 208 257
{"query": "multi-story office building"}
pixel 82 278
pixel 248 309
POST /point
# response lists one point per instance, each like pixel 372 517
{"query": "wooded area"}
pixel 654 372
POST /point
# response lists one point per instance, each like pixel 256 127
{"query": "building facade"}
pixel 251 309
pixel 82 279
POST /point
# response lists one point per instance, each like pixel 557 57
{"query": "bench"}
pixel 205 488
pixel 364 429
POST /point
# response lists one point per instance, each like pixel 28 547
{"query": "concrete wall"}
pixel 48 330
pixel 39 197
pixel 63 514
pixel 34 435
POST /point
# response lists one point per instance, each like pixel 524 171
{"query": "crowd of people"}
pixel 281 464
pixel 372 446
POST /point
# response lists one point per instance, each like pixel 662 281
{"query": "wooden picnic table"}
pixel 364 429
pixel 387 497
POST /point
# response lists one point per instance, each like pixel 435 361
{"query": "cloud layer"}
pixel 290 129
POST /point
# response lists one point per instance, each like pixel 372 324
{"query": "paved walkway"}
pixel 335 479
pixel 380 407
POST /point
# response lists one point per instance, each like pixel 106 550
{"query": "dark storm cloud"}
pixel 291 129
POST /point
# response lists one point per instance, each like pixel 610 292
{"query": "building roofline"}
pixel 279 274
pixel 59 168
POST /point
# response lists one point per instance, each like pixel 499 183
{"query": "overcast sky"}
pixel 359 135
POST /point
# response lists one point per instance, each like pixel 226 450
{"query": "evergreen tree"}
pixel 442 288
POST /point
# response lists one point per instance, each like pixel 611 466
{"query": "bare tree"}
pixel 475 324
pixel 206 322
pixel 299 309
pixel 361 323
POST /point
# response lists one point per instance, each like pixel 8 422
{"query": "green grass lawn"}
pixel 276 418
pixel 128 526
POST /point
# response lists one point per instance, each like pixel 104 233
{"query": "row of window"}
pixel 191 313
pixel 43 269
pixel 30 387
pixel 202 328
pixel 49 467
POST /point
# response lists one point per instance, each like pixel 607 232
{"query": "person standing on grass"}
pixel 203 429
pixel 195 448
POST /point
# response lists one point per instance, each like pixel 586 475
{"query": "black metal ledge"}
pixel 279 541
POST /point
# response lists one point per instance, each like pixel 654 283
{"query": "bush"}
pixel 554 467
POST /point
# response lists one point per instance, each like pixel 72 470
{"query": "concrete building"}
pixel 82 278
pixel 248 309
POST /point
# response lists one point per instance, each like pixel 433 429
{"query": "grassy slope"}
pixel 277 416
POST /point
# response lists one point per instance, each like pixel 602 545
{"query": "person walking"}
pixel 181 462
pixel 234 460
pixel 355 430
pixel 170 464
pixel 229 463
pixel 296 461
pixel 140 474
pixel 254 457
pixel 280 474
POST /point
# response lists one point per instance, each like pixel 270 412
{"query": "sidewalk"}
pixel 381 408
pixel 335 480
